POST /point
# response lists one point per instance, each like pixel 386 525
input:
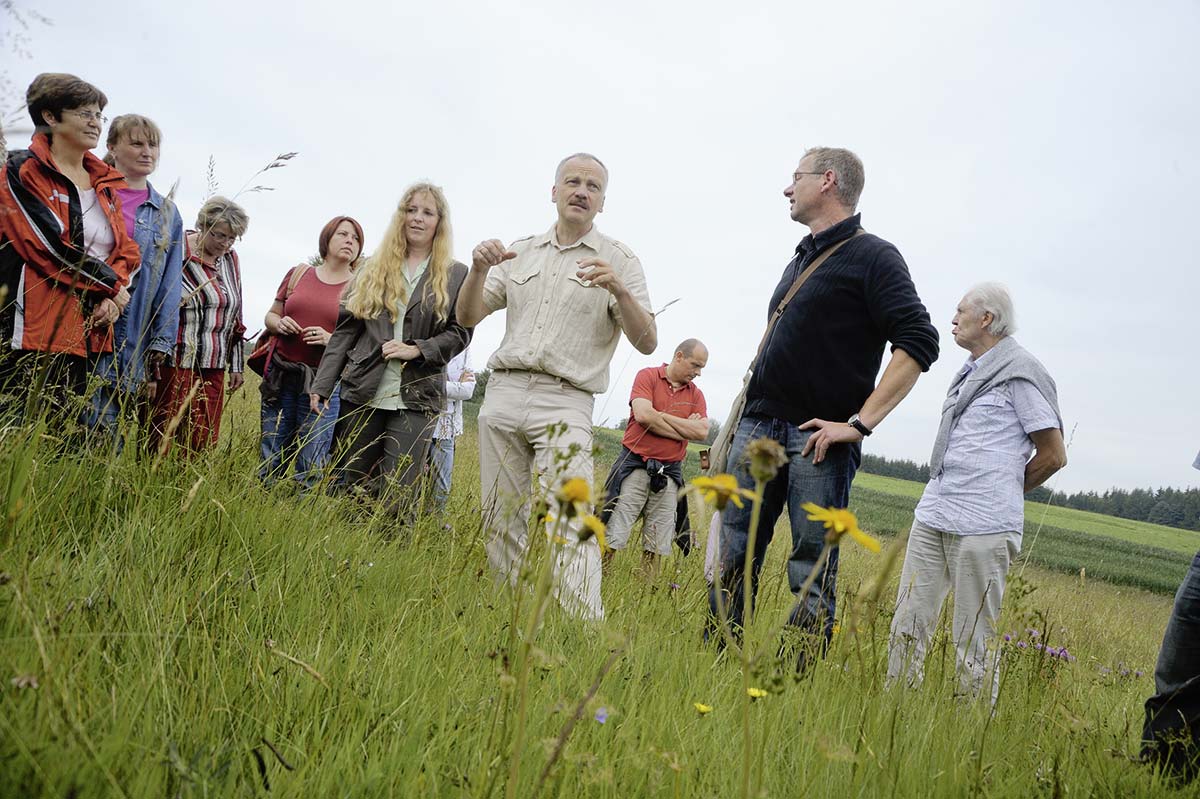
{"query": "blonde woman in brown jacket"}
pixel 396 332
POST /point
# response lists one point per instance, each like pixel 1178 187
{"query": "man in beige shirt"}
pixel 570 294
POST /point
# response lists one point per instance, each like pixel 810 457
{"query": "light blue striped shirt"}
pixel 981 489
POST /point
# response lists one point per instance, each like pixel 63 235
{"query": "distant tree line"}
pixel 1173 507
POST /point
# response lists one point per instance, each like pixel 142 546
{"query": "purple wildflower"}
pixel 674 586
pixel 1007 637
pixel 1021 644
pixel 1033 633
pixel 1038 647
pixel 1138 673
pixel 602 715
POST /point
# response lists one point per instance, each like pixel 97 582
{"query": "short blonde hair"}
pixel 222 209
pixel 124 126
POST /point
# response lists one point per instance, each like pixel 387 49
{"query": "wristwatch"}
pixel 857 424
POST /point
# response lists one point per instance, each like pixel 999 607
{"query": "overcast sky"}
pixel 1051 146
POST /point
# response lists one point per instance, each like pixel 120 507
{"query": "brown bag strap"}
pixel 298 271
pixel 799 281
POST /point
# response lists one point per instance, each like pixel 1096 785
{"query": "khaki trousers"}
pixel 532 424
pixel 975 567
pixel 657 508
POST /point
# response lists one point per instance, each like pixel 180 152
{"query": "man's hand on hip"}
pixel 827 434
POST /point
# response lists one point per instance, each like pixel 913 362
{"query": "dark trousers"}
pixel 383 451
pixel 1173 713
pixel 35 381
pixel 827 484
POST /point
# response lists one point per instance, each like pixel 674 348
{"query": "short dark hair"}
pixel 57 92
pixel 331 227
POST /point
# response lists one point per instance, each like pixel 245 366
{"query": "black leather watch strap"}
pixel 857 424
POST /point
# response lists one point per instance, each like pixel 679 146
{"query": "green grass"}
pixel 181 625
pixel 1155 535
pixel 1117 551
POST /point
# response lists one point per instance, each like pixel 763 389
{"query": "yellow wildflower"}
pixel 575 490
pixel 575 495
pixel 592 526
pixel 702 708
pixel 558 539
pixel 721 488
pixel 839 522
pixel 756 693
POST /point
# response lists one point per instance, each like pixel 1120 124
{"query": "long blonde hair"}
pixel 379 283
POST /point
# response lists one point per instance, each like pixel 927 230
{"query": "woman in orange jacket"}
pixel 65 256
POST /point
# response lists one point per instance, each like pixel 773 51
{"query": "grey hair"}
pixel 688 347
pixel 558 170
pixel 220 209
pixel 847 170
pixel 994 298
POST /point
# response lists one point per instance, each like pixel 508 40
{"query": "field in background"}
pixel 1114 550
pixel 185 633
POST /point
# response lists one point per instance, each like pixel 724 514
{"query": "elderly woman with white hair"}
pixel 1000 437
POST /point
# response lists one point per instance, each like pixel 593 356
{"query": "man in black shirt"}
pixel 813 386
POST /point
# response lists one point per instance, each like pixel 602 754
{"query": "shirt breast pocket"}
pixel 583 297
pixel 525 274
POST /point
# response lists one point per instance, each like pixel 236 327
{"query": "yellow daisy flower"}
pixel 575 495
pixel 839 522
pixel 719 489
pixel 575 490
pixel 592 526
pixel 702 708
pixel 756 693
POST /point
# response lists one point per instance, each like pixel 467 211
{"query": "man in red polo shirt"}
pixel 667 411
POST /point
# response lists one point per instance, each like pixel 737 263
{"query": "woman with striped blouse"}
pixel 192 386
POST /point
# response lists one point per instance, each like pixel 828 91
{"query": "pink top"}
pixel 312 302
pixel 130 200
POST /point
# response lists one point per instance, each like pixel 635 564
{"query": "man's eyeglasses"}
pixel 90 115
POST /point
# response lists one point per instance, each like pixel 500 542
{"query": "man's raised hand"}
pixel 490 253
pixel 599 273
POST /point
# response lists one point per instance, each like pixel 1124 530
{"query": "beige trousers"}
pixel 975 567
pixel 657 508
pixel 532 424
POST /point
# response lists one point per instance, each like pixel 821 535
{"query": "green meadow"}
pixel 176 630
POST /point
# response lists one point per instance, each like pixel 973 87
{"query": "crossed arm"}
pixel 693 428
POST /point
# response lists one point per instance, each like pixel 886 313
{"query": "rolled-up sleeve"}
pixel 897 309
pixel 634 278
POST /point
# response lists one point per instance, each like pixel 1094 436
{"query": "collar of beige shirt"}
pixel 591 239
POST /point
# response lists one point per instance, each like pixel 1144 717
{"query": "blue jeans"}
pixel 827 484
pixel 441 456
pixel 1171 735
pixel 290 430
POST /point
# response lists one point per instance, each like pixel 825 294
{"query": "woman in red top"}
pixel 302 320
pixel 65 256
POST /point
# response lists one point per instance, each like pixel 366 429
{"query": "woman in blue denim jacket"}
pixel 146 331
